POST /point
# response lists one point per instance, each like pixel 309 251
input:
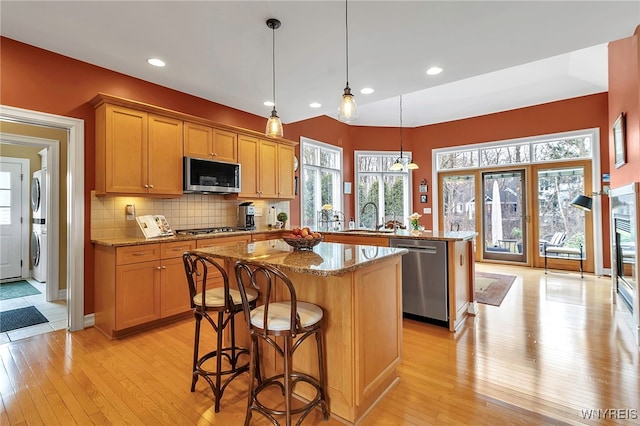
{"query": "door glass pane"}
pixel 458 193
pixel 560 224
pixel 5 180
pixel 503 217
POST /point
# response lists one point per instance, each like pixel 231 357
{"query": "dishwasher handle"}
pixel 428 250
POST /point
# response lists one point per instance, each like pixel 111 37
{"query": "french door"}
pixel 504 209
pixel 519 210
pixel 557 223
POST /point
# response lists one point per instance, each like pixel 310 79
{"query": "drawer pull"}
pixel 139 253
pixel 178 249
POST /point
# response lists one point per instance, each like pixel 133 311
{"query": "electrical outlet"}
pixel 257 211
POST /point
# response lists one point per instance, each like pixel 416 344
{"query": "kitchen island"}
pixel 457 278
pixel 359 289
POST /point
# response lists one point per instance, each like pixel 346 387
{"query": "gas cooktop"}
pixel 200 231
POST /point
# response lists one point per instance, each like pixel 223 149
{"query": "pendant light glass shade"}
pixel 274 125
pixel 348 109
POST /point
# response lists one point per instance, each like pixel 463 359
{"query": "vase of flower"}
pixel 415 226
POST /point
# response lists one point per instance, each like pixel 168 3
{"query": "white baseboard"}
pixel 89 320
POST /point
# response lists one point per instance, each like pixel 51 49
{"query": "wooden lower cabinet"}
pixel 139 286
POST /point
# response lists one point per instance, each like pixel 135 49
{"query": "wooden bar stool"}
pixel 292 320
pixel 226 303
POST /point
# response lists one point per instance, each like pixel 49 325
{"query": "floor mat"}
pixel 19 318
pixel 17 289
pixel 492 288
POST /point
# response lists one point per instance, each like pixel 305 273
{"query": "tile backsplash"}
pixel 108 216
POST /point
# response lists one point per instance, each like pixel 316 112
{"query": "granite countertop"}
pixel 326 259
pixel 414 235
pixel 134 241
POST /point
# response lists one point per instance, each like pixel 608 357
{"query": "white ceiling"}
pixel 496 55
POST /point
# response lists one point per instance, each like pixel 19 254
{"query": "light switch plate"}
pixel 426 210
pixel 257 211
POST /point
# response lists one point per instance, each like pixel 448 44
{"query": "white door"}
pixel 10 219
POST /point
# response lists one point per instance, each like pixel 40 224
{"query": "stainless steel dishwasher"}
pixel 424 280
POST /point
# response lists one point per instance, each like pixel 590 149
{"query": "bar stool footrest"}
pixel 275 381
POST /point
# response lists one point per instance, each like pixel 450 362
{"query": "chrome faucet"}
pixel 375 212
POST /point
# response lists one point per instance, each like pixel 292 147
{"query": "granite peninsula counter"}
pixel 359 288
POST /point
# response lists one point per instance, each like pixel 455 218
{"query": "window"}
pixel 388 190
pixel 321 173
pixel 5 198
pixel 569 146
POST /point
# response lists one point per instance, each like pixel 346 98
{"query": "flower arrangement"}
pixel 414 220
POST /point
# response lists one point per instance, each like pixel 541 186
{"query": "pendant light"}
pixel 348 110
pixel 274 125
pixel 399 165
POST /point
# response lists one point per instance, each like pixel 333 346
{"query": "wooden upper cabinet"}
pixel 210 143
pixel 268 169
pixel 248 159
pixel 121 150
pixel 137 152
pixel 286 180
pixel 165 155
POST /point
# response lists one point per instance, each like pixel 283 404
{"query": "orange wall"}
pixel 40 80
pixel 624 96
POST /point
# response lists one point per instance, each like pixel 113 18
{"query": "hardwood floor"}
pixel 555 348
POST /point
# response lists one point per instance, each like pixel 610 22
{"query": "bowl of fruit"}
pixel 303 238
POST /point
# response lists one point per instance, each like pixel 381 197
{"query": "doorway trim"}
pixel 75 201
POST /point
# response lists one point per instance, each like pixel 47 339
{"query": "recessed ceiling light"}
pixel 156 62
pixel 315 105
pixel 268 103
pixel 367 91
pixel 434 70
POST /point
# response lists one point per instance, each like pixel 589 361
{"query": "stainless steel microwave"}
pixel 210 176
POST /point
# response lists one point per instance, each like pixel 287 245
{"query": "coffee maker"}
pixel 246 216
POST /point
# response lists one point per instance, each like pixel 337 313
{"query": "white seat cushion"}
pixel 280 314
pixel 215 297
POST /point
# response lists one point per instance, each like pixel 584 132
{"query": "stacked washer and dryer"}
pixel 39 225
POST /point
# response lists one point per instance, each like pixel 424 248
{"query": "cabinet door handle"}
pixel 164 267
pixel 158 268
pixel 150 186
pixel 212 154
pixel 146 186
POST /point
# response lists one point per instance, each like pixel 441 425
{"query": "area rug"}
pixel 17 289
pixel 492 288
pixel 19 318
